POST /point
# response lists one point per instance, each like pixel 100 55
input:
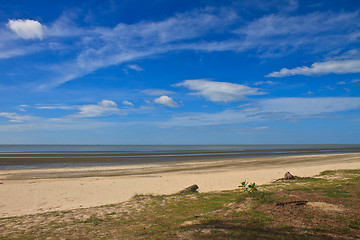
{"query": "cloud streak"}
pixel 102 108
pixel 268 109
pixel 278 34
pixel 321 68
pixel 16 118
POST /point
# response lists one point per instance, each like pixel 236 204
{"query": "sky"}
pixel 179 72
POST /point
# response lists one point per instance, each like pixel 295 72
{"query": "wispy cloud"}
pixel 261 128
pixel 304 107
pixel 27 29
pixel 219 91
pixel 265 83
pixel 125 102
pixel 55 125
pixel 278 34
pixel 341 83
pixel 157 92
pixel 167 101
pixel 108 46
pixel 321 68
pixel 135 67
pixel 52 107
pixel 268 109
pixel 102 108
pixel 16 118
pixel 92 48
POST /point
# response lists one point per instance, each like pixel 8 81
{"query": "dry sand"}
pixel 42 190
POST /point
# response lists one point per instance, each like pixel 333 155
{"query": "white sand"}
pixel 20 197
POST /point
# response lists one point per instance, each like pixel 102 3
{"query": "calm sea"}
pixel 42 156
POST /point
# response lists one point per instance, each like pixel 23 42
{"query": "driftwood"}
pixel 192 188
pixel 287 176
pixel 292 202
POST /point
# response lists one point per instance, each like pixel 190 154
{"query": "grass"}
pixel 235 214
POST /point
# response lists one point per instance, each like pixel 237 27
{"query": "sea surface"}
pixel 44 156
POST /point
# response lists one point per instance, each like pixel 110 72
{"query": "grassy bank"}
pixel 323 207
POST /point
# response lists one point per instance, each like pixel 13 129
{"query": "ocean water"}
pixel 43 156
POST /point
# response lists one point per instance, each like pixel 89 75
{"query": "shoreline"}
pixel 30 191
pixel 42 157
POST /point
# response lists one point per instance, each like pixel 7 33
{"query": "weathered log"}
pixel 192 188
pixel 289 176
pixel 292 202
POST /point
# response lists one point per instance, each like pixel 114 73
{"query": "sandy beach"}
pixel 33 191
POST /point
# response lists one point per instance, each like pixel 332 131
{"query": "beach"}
pixel 30 191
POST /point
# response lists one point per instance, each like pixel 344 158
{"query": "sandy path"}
pixel 34 191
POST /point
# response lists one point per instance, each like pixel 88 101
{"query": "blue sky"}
pixel 179 72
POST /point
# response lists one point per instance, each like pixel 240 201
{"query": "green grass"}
pixel 353 223
pixel 336 193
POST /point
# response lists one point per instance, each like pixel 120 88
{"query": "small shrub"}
pixel 249 188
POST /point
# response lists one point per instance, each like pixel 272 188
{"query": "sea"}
pixel 56 156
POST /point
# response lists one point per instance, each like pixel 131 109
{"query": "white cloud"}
pixel 125 102
pixel 219 91
pixel 104 107
pixel 14 117
pixel 27 29
pixel 135 67
pixel 321 68
pixel 157 92
pixel 167 101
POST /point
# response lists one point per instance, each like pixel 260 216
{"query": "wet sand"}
pixel 27 191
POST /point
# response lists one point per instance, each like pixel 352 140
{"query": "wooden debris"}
pixel 289 176
pixel 192 188
pixel 292 202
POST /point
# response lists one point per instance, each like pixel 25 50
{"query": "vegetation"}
pixel 249 188
pixel 332 211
